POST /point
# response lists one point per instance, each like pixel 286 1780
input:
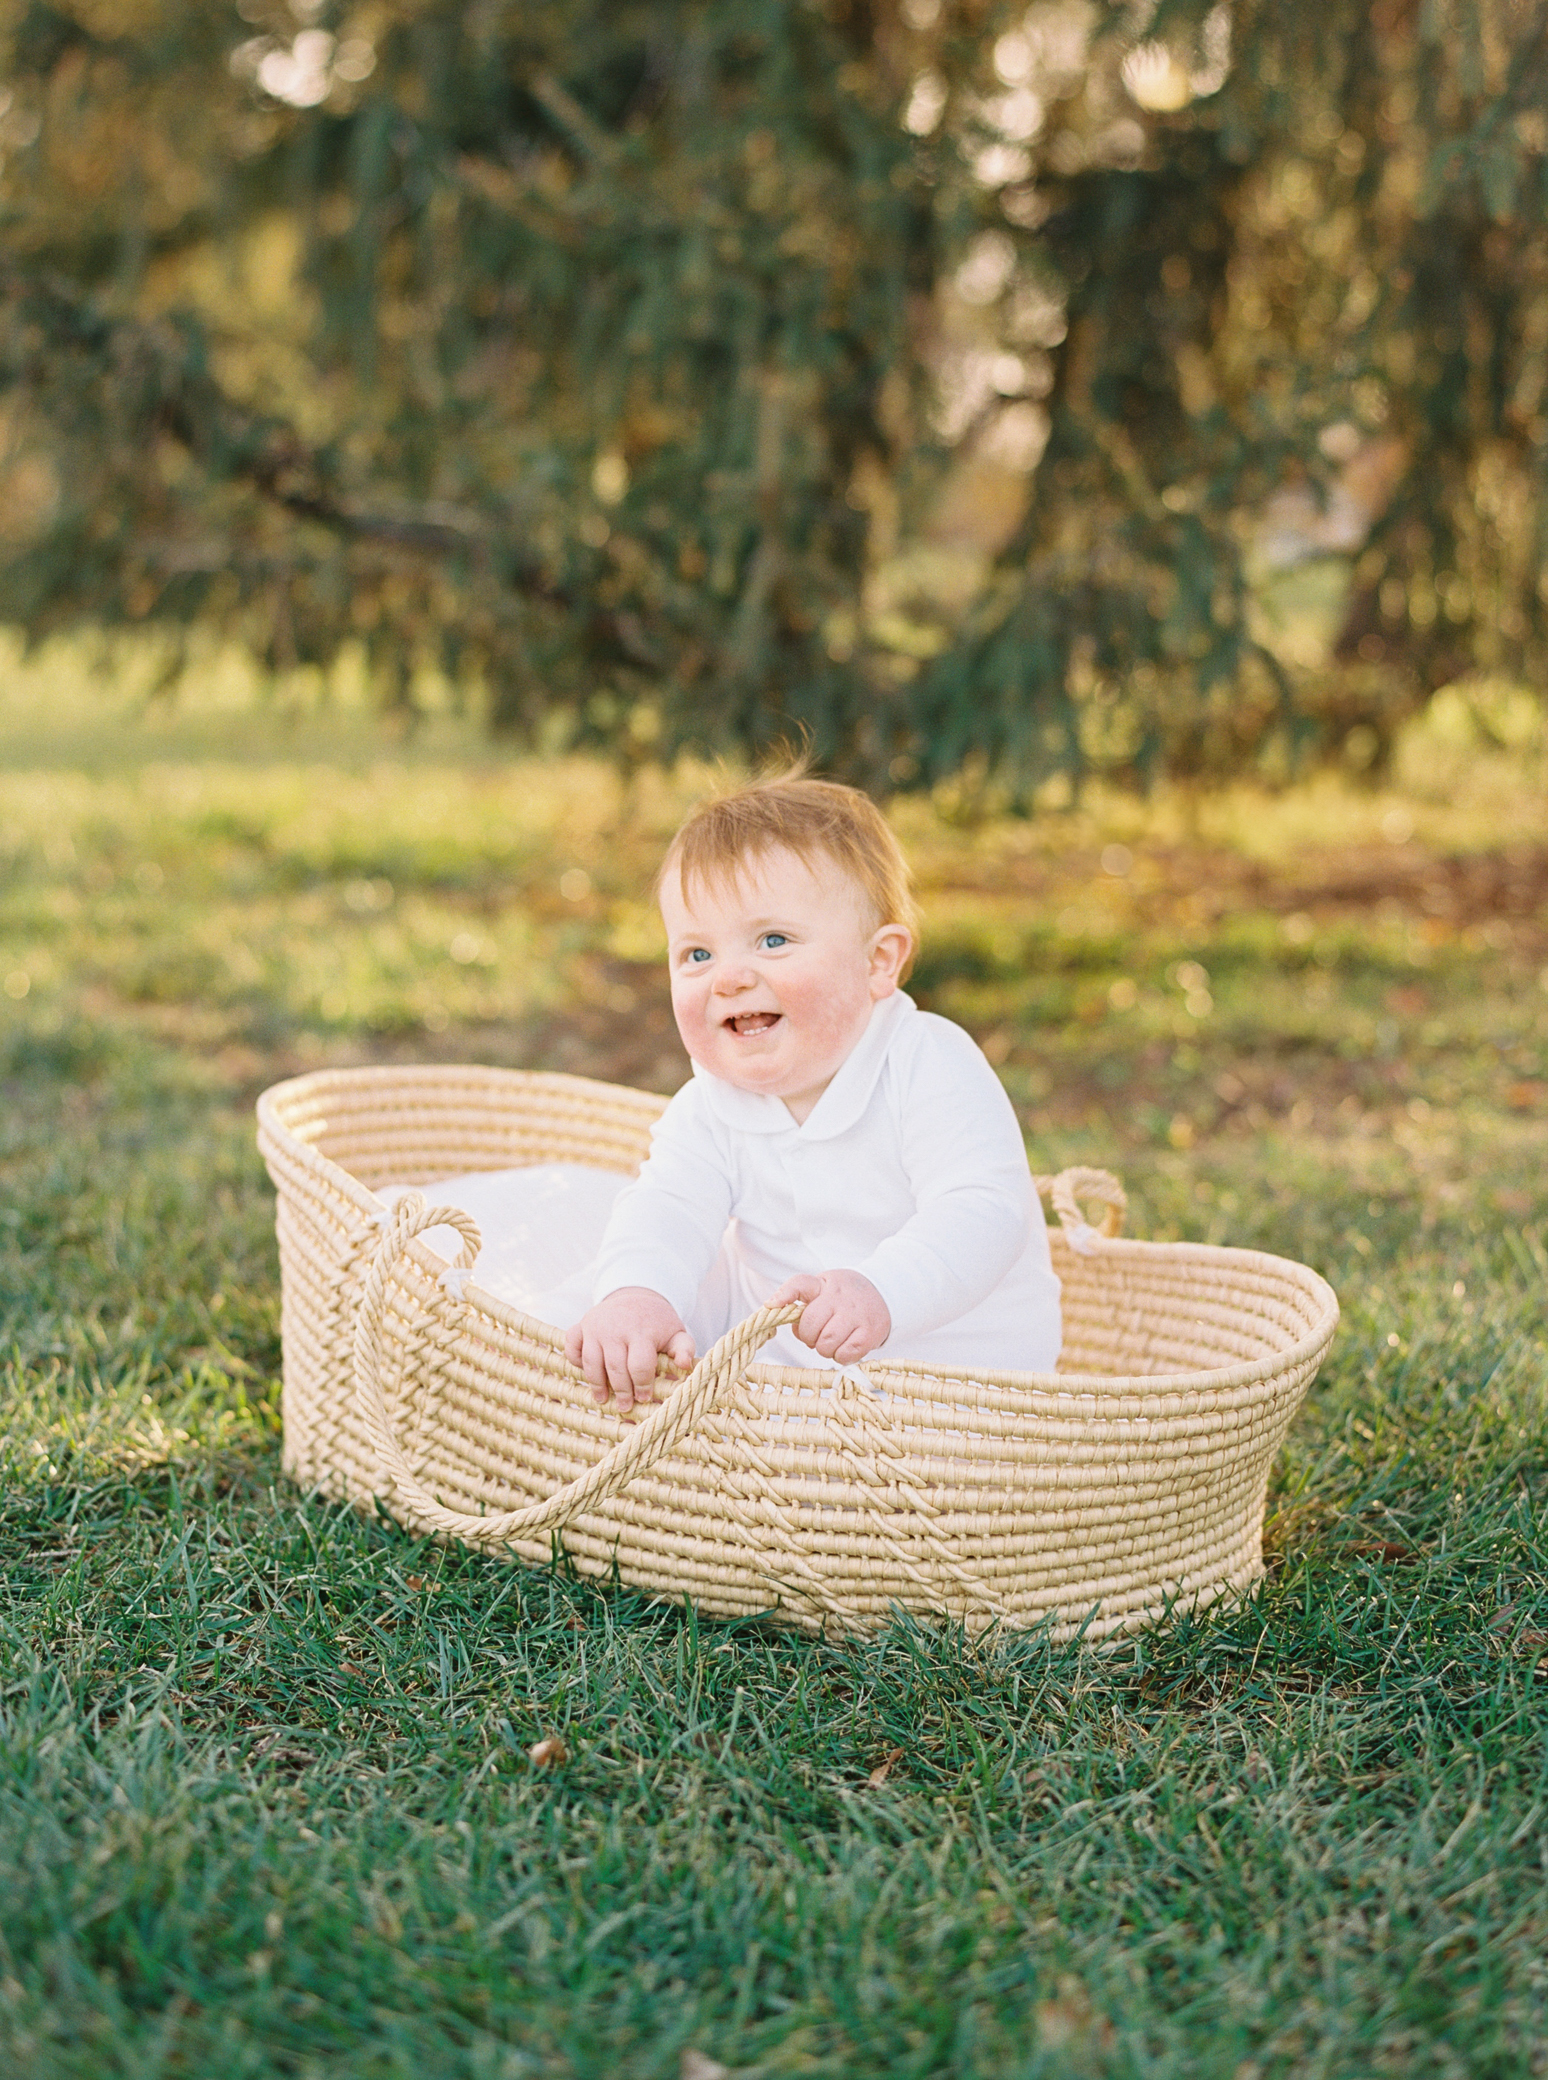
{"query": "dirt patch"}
pixel 1182 882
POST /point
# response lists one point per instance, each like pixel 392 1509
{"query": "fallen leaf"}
pixel 1058 2023
pixel 1532 1639
pixel 1070 2019
pixel 883 1769
pixel 1384 1549
pixel 353 1666
pixel 414 1581
pixel 695 2066
pixel 548 1750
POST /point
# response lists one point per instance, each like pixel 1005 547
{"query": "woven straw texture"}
pixel 1129 1484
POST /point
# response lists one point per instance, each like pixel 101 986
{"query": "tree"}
pixel 607 352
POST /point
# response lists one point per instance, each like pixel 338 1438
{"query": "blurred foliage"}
pixel 617 359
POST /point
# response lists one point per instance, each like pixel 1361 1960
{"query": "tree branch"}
pixel 179 396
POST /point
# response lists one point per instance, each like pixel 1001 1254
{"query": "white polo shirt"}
pixel 910 1169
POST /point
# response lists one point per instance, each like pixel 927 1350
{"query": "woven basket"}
pixel 1130 1483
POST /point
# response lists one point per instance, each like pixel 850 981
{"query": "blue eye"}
pixel 775 939
pixel 699 953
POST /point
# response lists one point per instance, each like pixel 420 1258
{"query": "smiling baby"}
pixel 835 1145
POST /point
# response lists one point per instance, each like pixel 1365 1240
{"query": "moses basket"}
pixel 1128 1484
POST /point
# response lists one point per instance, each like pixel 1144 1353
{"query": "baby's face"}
pixel 774 974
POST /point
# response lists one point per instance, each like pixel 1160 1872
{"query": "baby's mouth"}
pixel 754 1022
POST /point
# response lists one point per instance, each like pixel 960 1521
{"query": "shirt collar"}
pixel 841 1104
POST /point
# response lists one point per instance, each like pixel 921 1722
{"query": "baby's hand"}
pixel 846 1318
pixel 617 1342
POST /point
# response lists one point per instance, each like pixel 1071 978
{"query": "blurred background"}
pixel 1004 396
pixel 430 430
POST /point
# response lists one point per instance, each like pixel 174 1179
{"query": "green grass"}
pixel 266 1805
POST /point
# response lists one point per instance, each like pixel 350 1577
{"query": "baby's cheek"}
pixel 830 1018
pixel 692 1026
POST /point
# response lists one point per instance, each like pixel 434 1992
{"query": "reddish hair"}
pixel 814 819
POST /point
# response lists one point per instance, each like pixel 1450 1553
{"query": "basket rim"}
pixel 1307 1350
pixel 473 1073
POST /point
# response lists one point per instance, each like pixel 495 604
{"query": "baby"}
pixel 836 1145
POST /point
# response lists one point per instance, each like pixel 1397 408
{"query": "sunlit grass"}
pixel 266 1805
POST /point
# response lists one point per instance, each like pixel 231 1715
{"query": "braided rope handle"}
pixel 1066 1192
pixel 711 1380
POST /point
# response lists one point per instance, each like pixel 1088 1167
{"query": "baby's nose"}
pixel 731 981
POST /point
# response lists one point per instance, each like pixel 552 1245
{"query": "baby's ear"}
pixel 890 949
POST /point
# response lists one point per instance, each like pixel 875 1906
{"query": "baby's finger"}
pixel 838 1330
pixel 854 1347
pixel 680 1351
pixel 615 1361
pixel 594 1365
pixel 814 1322
pixel 575 1343
pixel 642 1364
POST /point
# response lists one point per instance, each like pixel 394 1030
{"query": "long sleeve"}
pixel 966 1165
pixel 666 1227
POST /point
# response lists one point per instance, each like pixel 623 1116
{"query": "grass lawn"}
pixel 265 1798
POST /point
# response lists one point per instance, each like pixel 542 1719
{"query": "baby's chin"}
pixel 752 1073
pixel 764 1070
